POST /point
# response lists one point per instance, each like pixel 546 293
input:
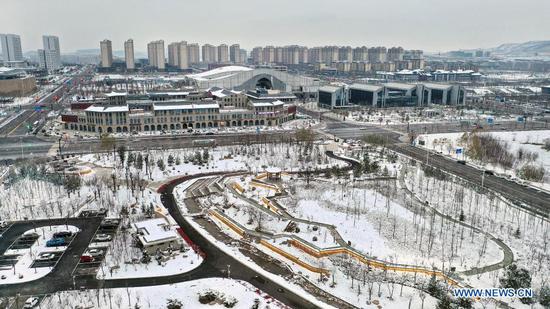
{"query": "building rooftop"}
pixel 330 88
pixel 400 86
pixel 107 109
pixel 221 72
pixel 154 231
pixel 365 87
pixel 438 86
pixel 173 106
pixel 266 103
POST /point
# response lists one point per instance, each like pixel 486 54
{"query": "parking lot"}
pixel 92 258
pixel 65 256
pixel 47 259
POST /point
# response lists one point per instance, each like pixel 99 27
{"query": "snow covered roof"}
pixel 438 86
pixel 400 86
pixel 107 109
pixel 169 93
pixel 370 88
pixel 155 231
pixel 218 73
pixel 116 94
pixel 264 103
pixel 330 88
pixel 161 107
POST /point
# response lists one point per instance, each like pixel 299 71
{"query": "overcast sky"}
pixel 431 25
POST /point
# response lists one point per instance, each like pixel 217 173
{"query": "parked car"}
pixel 86 258
pixel 31 302
pixel 3 224
pixel 45 256
pixel 29 235
pixel 95 252
pixel 461 162
pixel 63 234
pixel 109 223
pixel 103 237
pixel 54 242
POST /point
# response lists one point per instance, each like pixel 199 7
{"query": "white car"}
pixel 103 237
pixel 46 256
pixel 3 224
pixel 31 302
pixel 95 252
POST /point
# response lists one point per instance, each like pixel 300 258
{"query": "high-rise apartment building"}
pixel 345 53
pixel 235 54
pixel 11 47
pixel 377 54
pixel 209 53
pixel 257 55
pixel 395 54
pixel 291 54
pixel 361 53
pixel 129 54
pixel 243 56
pixel 223 53
pixel 155 53
pixel 269 54
pixel 106 48
pixel 50 57
pixel 193 53
pixel 178 55
pixel 303 55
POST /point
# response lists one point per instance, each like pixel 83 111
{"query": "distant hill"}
pixel 523 49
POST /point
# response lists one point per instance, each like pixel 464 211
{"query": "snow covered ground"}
pixel 525 234
pixel 39 199
pixel 158 297
pixel 531 141
pixel 383 227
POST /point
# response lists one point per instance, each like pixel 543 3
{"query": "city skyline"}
pixel 429 25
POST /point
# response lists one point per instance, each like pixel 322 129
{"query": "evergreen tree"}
pixel 517 278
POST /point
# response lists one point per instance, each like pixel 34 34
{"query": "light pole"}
pixel 21 144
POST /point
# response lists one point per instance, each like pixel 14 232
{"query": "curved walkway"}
pixel 343 247
pixel 508 257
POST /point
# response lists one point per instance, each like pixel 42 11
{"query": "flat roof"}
pixel 220 72
pixel 400 86
pixel 263 103
pixel 329 88
pixel 185 106
pixel 107 109
pixel 438 86
pixel 155 230
pixel 365 87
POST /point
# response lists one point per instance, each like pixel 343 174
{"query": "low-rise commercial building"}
pixel 215 108
pixel 390 95
pixel 157 234
pixel 15 82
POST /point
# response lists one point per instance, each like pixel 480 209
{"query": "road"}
pixel 12 148
pixel 214 265
pixel 533 199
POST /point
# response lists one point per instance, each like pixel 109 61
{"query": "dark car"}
pixel 488 172
pixel 461 162
pixel 63 234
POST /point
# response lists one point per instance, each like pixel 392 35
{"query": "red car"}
pixel 86 259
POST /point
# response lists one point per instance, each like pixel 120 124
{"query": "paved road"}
pixel 11 148
pixel 533 199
